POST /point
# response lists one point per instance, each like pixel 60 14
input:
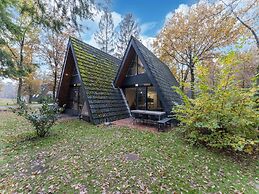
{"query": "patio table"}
pixel 157 114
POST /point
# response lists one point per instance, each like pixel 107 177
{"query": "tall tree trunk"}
pixel 20 65
pixel 191 66
pixel 30 94
pixel 192 80
pixel 19 90
pixel 55 82
pixel 184 78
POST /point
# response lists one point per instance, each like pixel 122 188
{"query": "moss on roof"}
pixel 98 70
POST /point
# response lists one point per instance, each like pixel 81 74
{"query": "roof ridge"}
pixel 72 37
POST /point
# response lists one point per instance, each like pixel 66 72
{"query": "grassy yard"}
pixel 78 157
pixel 7 101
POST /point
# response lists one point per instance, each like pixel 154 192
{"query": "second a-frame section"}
pixel 137 82
pixel 145 80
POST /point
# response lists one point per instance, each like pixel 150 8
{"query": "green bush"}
pixel 43 99
pixel 222 116
pixel 42 119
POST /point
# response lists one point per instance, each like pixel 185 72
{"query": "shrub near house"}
pixel 222 116
pixel 42 119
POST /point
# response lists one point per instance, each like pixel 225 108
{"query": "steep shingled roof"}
pixel 161 73
pixel 98 70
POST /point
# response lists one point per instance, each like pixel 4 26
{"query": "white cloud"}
pixel 92 41
pixel 147 26
pixel 116 18
pixel 183 8
pixel 147 41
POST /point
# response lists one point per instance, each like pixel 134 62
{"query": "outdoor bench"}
pixel 164 122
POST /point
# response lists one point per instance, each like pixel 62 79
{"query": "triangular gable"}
pixel 158 73
pixel 70 68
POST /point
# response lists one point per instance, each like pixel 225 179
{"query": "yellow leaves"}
pixel 194 35
pixel 229 59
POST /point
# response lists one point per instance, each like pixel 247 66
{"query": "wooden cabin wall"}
pixel 64 86
pixel 71 92
pixel 128 60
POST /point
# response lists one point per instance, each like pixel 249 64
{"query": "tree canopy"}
pixel 105 37
pixel 196 35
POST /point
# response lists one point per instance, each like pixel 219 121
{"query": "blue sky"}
pixel 151 12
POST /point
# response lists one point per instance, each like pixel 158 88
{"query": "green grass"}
pixel 7 101
pixel 81 157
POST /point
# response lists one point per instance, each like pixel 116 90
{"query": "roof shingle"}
pixel 162 74
pixel 98 70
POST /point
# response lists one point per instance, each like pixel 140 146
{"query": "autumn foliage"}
pixel 195 35
pixel 223 116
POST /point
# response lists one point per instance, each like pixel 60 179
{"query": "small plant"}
pixel 42 119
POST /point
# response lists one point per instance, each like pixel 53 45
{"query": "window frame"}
pixel 136 59
pixel 146 97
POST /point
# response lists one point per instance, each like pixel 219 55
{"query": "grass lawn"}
pixel 7 101
pixel 81 157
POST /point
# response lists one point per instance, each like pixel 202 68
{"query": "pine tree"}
pixel 105 36
pixel 128 27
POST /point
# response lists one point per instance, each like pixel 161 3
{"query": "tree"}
pixel 6 62
pixel 31 85
pixel 19 46
pixel 40 13
pixel 196 36
pixel 247 15
pixel 127 28
pixel 53 49
pixel 45 13
pixel 246 68
pixel 105 37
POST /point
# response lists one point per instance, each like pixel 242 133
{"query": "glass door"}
pixel 141 98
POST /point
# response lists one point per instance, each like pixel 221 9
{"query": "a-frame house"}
pixel 146 81
pixel 86 84
pixel 99 87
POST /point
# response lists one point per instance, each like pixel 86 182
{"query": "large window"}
pixel 132 68
pixel 140 66
pixel 153 101
pixel 136 67
pixel 130 94
pixel 143 98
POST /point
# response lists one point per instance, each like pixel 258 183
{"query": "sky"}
pixel 150 15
